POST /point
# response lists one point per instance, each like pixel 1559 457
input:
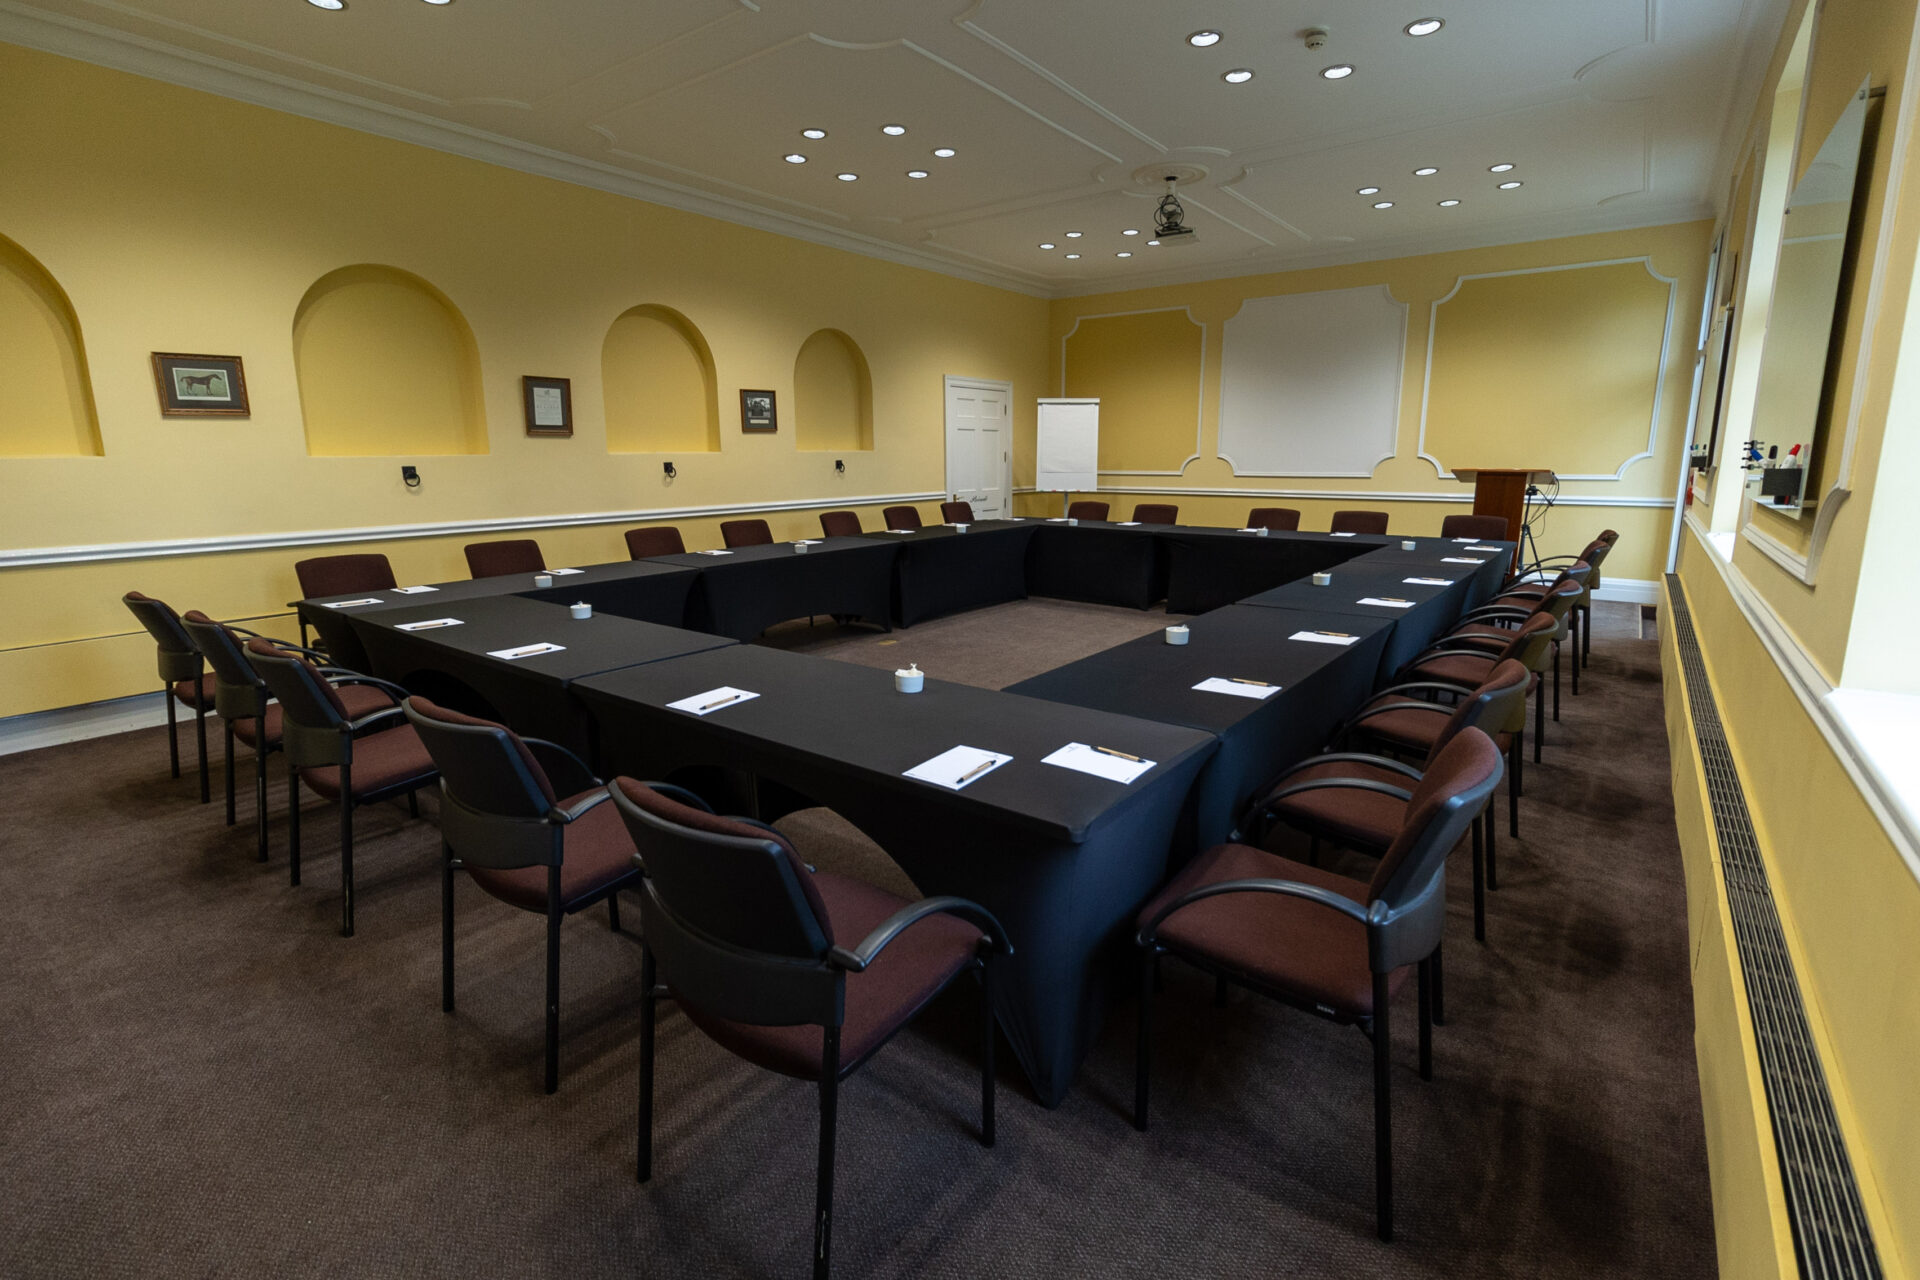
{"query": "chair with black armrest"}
pixel 246 707
pixel 1358 800
pixel 342 575
pixel 656 540
pixel 184 678
pixel 352 760
pixel 758 951
pixel 506 556
pixel 1156 513
pixel 528 821
pixel 1609 536
pixel 1358 522
pixel 1466 666
pixel 1283 519
pixel 1491 625
pixel 957 512
pixel 840 524
pixel 1331 946
pixel 902 518
pixel 1474 526
pixel 746 533
pixel 1533 585
pixel 1087 511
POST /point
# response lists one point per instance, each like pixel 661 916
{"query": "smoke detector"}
pixel 1315 37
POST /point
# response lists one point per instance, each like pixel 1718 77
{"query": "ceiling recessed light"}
pixel 893 130
pixel 1131 231
pixel 1498 168
pixel 916 173
pixel 1508 186
pixel 945 153
pixel 1072 256
pixel 847 177
pixel 1073 235
pixel 1046 244
pixel 1427 172
pixel 1239 75
pixel 1368 191
pixel 815 134
pixel 1201 39
pixel 1424 26
pixel 1448 204
pixel 328 4
pixel 1152 243
pixel 1340 72
pixel 794 157
pixel 1123 254
pixel 1383 204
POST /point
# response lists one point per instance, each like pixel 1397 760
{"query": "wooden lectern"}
pixel 1503 493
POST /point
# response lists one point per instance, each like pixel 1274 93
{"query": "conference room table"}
pixel 1097 561
pixel 1483 570
pixel 939 570
pixel 1320 664
pixel 1062 858
pixel 1422 605
pixel 743 591
pixel 1208 567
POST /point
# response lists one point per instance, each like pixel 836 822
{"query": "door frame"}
pixel 947 383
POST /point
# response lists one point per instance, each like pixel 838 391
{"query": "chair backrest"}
pixel 957 512
pixel 745 533
pixel 902 517
pixel 1474 526
pixel 1286 519
pixel 1531 641
pixel 1156 513
pixel 495 797
pixel 339 575
pixel 1358 522
pixel 312 717
pixel 179 656
pixel 510 555
pixel 1499 705
pixel 1406 898
pixel 657 540
pixel 1608 536
pixel 226 654
pixel 1087 511
pixel 840 524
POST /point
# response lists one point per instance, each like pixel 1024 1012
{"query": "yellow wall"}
pixel 46 406
pixel 1146 371
pixel 538 269
pixel 1625 350
pixel 832 394
pixel 658 384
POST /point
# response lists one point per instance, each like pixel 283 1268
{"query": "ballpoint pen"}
pixel 1241 680
pixel 974 772
pixel 1123 755
pixel 1337 635
pixel 721 702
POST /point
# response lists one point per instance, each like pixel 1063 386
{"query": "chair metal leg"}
pixel 1425 978
pixel 986 1052
pixel 346 850
pixel 173 732
pixel 1219 993
pixel 260 794
pixel 1520 758
pixel 1491 829
pixel 644 1163
pixel 1382 1110
pixel 554 916
pixel 1573 638
pixel 413 804
pixel 1149 982
pixel 1513 787
pixel 200 733
pixel 823 1181
pixel 293 825
pixel 1539 720
pixel 1479 887
pixel 1556 682
pixel 228 724
pixel 1439 989
pixel 613 911
pixel 446 927
pixel 1586 634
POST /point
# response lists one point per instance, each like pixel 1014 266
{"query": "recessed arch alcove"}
pixel 832 394
pixel 46 400
pixel 387 367
pixel 656 372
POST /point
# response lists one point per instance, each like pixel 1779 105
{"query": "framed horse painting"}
pixel 200 386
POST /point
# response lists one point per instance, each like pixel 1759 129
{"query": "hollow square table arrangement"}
pixel 938 570
pixel 745 590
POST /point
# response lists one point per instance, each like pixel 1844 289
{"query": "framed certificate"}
pixel 757 411
pixel 549 405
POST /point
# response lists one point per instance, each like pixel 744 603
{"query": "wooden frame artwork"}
pixel 549 405
pixel 200 386
pixel 757 412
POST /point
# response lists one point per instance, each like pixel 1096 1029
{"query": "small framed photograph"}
pixel 200 386
pixel 549 404
pixel 756 411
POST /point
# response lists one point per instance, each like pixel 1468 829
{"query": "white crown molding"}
pixel 124 51
pixel 22 557
pixel 1200 392
pixel 1660 375
pixel 1361 495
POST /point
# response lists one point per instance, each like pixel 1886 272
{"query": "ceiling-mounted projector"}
pixel 1169 220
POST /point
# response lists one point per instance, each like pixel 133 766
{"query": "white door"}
pixel 980 445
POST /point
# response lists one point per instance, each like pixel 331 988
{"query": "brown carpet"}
pixel 201 1078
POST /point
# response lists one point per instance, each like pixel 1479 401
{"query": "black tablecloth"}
pixel 742 593
pixel 1097 561
pixel 1433 611
pixel 1430 556
pixel 1062 858
pixel 1321 684
pixel 1208 568
pixel 937 570
pixel 451 664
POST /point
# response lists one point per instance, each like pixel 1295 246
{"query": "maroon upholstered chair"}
pixel 957 512
pixel 184 678
pixel 1332 946
pixel 546 846
pixel 802 973
pixel 1534 582
pixel 246 708
pixel 656 540
pixel 351 760
pixel 342 575
pixel 498 559
pixel 1467 666
pixel 1156 513
pixel 745 533
pixel 1285 519
pixel 840 524
pixel 1474 526
pixel 1087 510
pixel 1491 625
pixel 903 518
pixel 1358 522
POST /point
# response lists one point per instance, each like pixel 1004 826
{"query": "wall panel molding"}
pixel 1464 497
pixel 1200 391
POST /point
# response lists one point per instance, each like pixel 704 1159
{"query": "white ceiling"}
pixel 1062 112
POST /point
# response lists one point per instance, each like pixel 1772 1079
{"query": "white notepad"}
pixel 1342 535
pixel 429 624
pixel 526 650
pixel 1480 548
pixel 560 572
pixel 957 768
pixel 1101 764
pixel 1323 637
pixel 1460 560
pixel 1385 602
pixel 806 542
pixel 1466 539
pixel 713 551
pixel 705 704
pixel 1429 582
pixel 1126 524
pixel 903 532
pixel 413 591
pixel 1237 688
pixel 348 604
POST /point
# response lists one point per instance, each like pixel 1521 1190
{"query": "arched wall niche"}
pixel 832 394
pixel 656 371
pixel 46 399
pixel 387 367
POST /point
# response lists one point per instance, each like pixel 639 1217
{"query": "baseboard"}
pixel 38 729
pixel 1628 590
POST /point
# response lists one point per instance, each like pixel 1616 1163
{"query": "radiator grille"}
pixel 1830 1233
